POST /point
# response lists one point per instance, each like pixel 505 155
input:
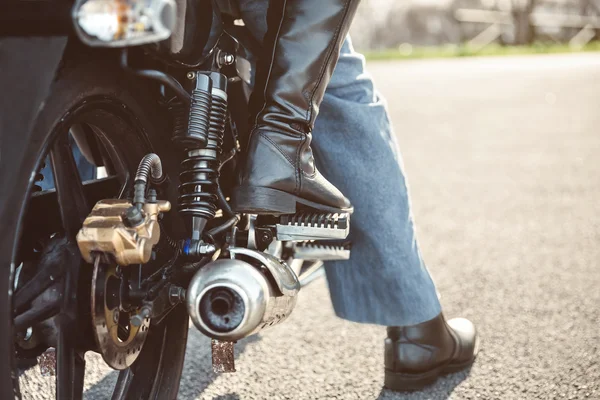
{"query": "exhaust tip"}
pixel 222 309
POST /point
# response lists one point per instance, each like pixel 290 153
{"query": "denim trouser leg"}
pixel 385 281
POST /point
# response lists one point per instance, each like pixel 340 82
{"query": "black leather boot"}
pixel 415 356
pixel 301 49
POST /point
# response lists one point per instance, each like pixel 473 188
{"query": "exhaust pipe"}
pixel 228 300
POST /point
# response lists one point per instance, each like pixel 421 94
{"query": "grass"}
pixel 407 52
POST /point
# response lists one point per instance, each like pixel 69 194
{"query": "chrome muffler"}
pixel 229 299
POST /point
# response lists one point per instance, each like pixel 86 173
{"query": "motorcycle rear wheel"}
pixel 124 116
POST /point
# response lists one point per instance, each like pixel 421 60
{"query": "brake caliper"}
pixel 119 229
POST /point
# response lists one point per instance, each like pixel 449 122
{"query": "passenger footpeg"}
pixel 309 226
pixel 321 251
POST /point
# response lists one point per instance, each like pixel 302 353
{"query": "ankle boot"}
pixel 301 49
pixel 415 356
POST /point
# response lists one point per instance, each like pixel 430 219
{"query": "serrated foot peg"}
pixel 313 226
pixel 321 251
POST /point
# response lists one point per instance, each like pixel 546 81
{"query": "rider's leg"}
pixel 385 282
pixel 300 50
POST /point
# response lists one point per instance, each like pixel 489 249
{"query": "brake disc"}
pixel 119 341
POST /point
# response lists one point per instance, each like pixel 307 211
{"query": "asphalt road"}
pixel 503 160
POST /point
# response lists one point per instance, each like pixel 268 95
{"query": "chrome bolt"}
pixel 202 248
pixel 136 320
pixel 139 318
pixel 191 75
pixel 226 58
pixel 206 248
pixel 116 316
pixel 229 59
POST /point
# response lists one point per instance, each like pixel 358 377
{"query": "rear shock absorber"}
pixel 202 142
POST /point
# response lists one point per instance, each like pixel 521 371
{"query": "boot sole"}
pixel 402 382
pixel 261 200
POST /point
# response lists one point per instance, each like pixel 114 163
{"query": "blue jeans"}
pixel 385 281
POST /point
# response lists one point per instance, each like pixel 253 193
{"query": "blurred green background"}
pixel 386 29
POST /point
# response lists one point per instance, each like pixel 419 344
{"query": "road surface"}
pixel 503 160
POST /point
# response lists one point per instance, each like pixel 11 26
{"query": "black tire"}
pixel 102 83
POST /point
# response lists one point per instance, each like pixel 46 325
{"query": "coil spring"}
pixel 200 169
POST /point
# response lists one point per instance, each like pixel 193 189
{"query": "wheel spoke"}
pixel 36 315
pixel 60 253
pixel 71 199
pixel 123 383
pixel 70 361
pixel 85 138
pixel 70 365
pixel 113 163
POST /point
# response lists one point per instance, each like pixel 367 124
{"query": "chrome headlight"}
pixel 120 23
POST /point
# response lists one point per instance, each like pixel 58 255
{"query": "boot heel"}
pixel 400 382
pixel 261 200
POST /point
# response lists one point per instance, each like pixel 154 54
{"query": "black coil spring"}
pixel 200 169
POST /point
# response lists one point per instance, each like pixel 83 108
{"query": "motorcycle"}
pixel 113 113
